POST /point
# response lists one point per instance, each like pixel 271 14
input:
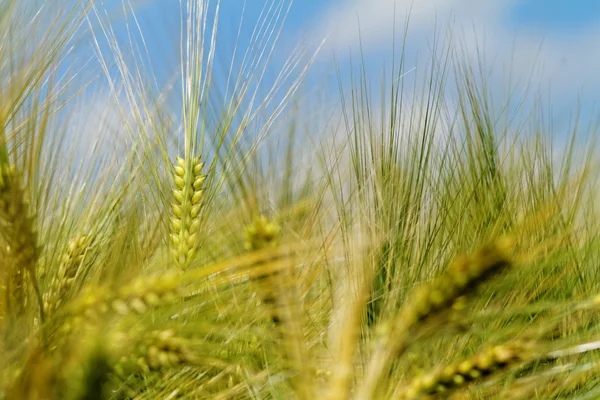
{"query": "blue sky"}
pixel 550 44
pixel 556 16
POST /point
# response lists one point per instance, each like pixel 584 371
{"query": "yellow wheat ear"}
pixel 276 289
pixel 19 245
pixel 185 210
pixel 263 234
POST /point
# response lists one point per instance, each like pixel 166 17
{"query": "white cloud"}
pixel 376 18
pixel 566 62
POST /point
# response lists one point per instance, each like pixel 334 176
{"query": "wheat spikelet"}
pixel 67 271
pixel 185 210
pixel 19 247
pixel 461 373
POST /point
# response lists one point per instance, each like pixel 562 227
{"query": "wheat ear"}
pixel 137 297
pixel 67 271
pixel 463 276
pixel 262 234
pixel 459 374
pixel 19 248
pixel 185 210
pixel 157 350
pixel 285 310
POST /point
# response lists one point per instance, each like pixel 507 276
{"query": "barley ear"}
pixel 19 243
pixel 185 210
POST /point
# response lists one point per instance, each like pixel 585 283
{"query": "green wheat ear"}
pixel 185 208
pixel 19 246
pixel 67 271
pixel 463 276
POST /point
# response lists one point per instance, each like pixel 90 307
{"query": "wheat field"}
pixel 186 242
